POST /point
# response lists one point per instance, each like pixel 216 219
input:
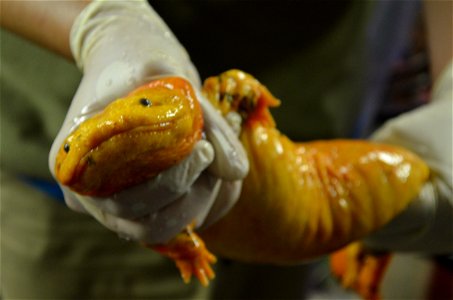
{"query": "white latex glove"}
pixel 121 45
pixel 427 224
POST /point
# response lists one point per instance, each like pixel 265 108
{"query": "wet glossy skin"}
pixel 132 139
pixel 299 200
pixel 302 200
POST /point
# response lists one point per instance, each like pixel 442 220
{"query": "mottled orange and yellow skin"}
pixel 132 139
pixel 298 201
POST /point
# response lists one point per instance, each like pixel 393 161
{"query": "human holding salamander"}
pixel 117 56
pixel 109 46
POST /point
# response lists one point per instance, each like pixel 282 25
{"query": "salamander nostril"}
pixel 66 147
pixel 145 102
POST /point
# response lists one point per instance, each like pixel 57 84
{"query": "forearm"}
pixel 47 23
pixel 439 26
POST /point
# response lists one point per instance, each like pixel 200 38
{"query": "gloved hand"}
pixel 120 45
pixel 426 225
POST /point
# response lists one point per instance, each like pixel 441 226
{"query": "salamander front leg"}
pixel 190 254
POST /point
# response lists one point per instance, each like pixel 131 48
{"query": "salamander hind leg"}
pixel 360 270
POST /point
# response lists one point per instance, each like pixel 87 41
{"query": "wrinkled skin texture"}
pixel 299 200
pixel 303 200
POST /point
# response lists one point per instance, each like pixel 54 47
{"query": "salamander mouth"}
pixel 129 158
pixel 134 134
pixel 128 140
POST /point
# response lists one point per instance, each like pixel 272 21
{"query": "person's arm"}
pixel 47 23
pixel 425 226
pixel 439 27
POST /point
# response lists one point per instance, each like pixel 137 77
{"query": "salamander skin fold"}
pixel 303 200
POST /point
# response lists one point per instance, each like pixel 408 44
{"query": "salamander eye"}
pixel 66 147
pixel 145 102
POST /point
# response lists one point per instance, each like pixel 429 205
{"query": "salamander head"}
pixel 132 139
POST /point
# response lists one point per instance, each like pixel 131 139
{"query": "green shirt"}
pixel 36 89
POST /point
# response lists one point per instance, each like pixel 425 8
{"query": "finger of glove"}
pixel 161 226
pixel 124 227
pixel 149 197
pixel 234 119
pixel 71 200
pixel 192 208
pixel 230 162
pixel 408 224
pixel 227 197
pixel 425 226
